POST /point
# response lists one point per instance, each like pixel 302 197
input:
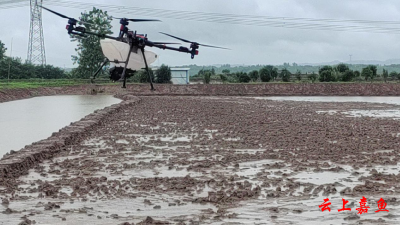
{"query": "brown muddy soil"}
pixel 230 160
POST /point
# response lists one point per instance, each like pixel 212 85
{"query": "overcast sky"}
pixel 249 44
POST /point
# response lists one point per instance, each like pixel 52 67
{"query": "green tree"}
pixel 244 78
pixel 385 75
pixel 254 75
pixel 346 76
pixel 163 75
pixel 265 74
pixel 285 75
pixel 141 76
pixel 357 73
pixel 367 73
pixel 313 77
pixel 326 74
pixel 207 76
pixel 224 79
pixel 3 50
pixel 393 75
pixel 298 75
pixel 225 71
pixel 341 68
pixel 273 72
pixel 374 70
pixel 268 73
pixel 89 54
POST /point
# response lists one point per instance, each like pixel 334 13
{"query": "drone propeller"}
pixel 194 43
pixel 66 17
pixel 138 20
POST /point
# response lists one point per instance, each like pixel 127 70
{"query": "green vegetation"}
pixel 89 54
pixel 326 74
pixel 243 77
pixel 266 73
pixel 298 75
pixel 312 77
pixel 142 76
pixel 3 50
pixel 293 68
pixel 367 73
pixel 163 75
pixel 36 83
pixel 254 75
pixel 339 73
pixel 385 75
pixel 285 75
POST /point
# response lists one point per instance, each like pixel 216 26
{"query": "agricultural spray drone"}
pixel 128 48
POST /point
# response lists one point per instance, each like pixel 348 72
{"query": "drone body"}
pixel 126 52
pixel 117 51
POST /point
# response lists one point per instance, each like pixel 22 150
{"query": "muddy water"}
pixel 369 99
pixel 25 121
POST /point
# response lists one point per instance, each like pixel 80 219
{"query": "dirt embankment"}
pixel 281 89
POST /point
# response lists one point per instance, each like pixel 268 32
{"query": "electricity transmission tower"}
pixel 36 52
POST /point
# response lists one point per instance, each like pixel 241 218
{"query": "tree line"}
pixel 14 68
pixel 338 73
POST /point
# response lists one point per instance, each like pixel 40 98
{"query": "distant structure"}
pixel 180 75
pixel 36 51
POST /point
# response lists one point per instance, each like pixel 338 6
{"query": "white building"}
pixel 180 75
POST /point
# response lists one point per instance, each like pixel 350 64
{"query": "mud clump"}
pixel 151 221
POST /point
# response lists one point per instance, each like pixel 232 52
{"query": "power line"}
pixel 282 22
pixel 6 3
pixel 248 20
pixel 14 5
pixel 156 11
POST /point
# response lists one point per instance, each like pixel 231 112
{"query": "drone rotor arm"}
pixel 58 14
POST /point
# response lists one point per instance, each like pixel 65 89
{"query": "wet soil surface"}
pixel 198 160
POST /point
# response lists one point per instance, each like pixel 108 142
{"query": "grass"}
pixel 37 83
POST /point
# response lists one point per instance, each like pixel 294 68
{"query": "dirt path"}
pixel 197 160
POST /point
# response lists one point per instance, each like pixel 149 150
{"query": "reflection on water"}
pixel 25 121
pixel 373 99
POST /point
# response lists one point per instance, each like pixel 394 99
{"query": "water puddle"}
pixel 374 113
pixel 22 128
pixel 369 99
pixel 321 178
pixel 114 211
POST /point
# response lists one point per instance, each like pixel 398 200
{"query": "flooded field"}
pixel 225 160
pixel 25 121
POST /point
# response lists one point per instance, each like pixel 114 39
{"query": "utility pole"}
pixel 350 57
pixel 36 51
pixel 9 61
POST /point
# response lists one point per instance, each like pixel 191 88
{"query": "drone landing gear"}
pixel 126 65
pixel 98 71
pixel 147 70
